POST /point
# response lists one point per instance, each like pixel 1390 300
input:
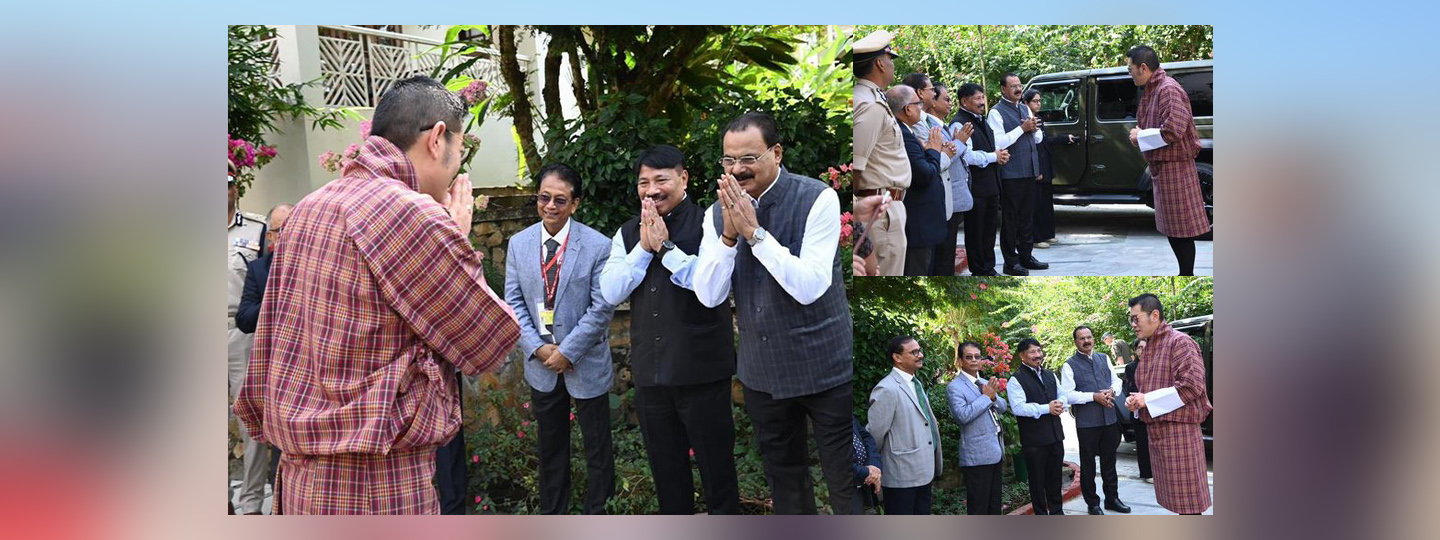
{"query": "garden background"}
pixel 996 312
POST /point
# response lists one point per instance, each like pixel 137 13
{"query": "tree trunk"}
pixel 668 79
pixel 520 105
pixel 551 91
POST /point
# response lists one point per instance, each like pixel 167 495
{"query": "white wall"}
pixel 296 171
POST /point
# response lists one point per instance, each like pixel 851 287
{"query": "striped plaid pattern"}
pixel 1179 206
pixel 1177 449
pixel 374 294
pixel 398 483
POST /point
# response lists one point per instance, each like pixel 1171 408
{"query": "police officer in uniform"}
pixel 881 165
pixel 246 234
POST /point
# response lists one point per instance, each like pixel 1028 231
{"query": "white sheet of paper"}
pixel 1163 401
pixel 1150 139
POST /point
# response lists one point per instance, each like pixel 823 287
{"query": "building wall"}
pixel 296 170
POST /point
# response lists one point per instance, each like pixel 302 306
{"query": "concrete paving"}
pixel 1111 240
pixel 1139 495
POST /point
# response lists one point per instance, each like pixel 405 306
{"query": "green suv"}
pixel 1098 107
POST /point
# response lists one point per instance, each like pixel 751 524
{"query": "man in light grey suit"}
pixel 904 427
pixel 552 280
pixel 982 441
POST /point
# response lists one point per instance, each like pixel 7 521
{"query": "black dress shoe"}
pixel 1016 270
pixel 1033 264
pixel 1117 505
pixel 1095 510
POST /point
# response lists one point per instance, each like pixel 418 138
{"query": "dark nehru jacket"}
pixel 1046 429
pixel 674 339
pixel 788 349
pixel 984 181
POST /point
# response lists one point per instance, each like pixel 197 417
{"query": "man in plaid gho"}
pixel 373 299
pixel 1177 449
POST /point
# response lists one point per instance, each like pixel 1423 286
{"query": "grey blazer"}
pixel 978 443
pixel 582 317
pixel 907 455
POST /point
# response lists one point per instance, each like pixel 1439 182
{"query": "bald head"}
pixel 899 98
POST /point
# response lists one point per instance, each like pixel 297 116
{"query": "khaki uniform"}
pixel 245 233
pixel 880 163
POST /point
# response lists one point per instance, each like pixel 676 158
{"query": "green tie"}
pixel 925 406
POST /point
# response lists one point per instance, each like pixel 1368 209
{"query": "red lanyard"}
pixel 555 263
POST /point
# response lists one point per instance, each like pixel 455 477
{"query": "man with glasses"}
pixel 773 238
pixel 881 167
pixel 375 296
pixel 682 353
pixel 925 224
pixel 1015 130
pixel 552 272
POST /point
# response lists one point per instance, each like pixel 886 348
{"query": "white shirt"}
pixel 624 271
pixel 559 237
pixel 1068 393
pixel 997 124
pixel 805 277
pixel 1018 405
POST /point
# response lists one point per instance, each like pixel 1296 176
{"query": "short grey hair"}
pixel 898 97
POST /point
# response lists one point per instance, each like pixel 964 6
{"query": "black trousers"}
pixel 982 489
pixel 1099 442
pixel 552 412
pixel 1017 219
pixel 450 472
pixel 780 426
pixel 981 222
pixel 913 501
pixel 917 260
pixel 676 419
pixel 1044 465
pixel 943 262
pixel 1142 449
pixel 1044 211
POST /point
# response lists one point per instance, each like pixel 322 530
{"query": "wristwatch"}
pixel 665 247
pixel 758 237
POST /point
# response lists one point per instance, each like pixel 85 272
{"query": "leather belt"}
pixel 896 194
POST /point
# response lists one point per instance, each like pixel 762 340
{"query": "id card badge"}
pixel 547 318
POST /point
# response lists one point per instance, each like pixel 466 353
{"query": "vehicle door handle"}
pixel 1095 167
pixel 1097 138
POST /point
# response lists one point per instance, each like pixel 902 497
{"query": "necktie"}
pixel 981 386
pixel 925 406
pixel 860 455
pixel 552 274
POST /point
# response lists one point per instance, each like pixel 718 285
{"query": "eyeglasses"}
pixel 545 200
pixel 746 160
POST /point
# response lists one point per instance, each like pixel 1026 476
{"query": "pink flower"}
pixel 486 507
pixel 519 434
pixel 478 499
pixel 352 151
pixel 474 93
pixel 526 405
pixel 475 459
pixel 328 160
pixel 972 296
pixel 525 423
pixel 983 286
pixel 365 129
pixel 1034 329
pixel 692 452
pixel 267 151
pixel 572 417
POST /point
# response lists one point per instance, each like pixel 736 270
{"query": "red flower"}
pixel 526 405
pixel 983 286
pixel 692 452
pixel 519 434
pixel 572 417
pixel 972 296
pixel 475 459
pixel 478 499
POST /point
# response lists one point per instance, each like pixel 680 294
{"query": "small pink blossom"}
pixel 983 286
pixel 572 417
pixel 474 93
pixel 519 434
pixel 526 405
pixel 525 423
pixel 475 459
pixel 972 296
pixel 478 499
pixel 352 151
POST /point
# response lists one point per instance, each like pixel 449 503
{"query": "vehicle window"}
pixel 1201 87
pixel 1117 99
pixel 1059 102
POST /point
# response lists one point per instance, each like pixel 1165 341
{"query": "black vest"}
pixel 1046 429
pixel 789 349
pixel 674 339
pixel 984 181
